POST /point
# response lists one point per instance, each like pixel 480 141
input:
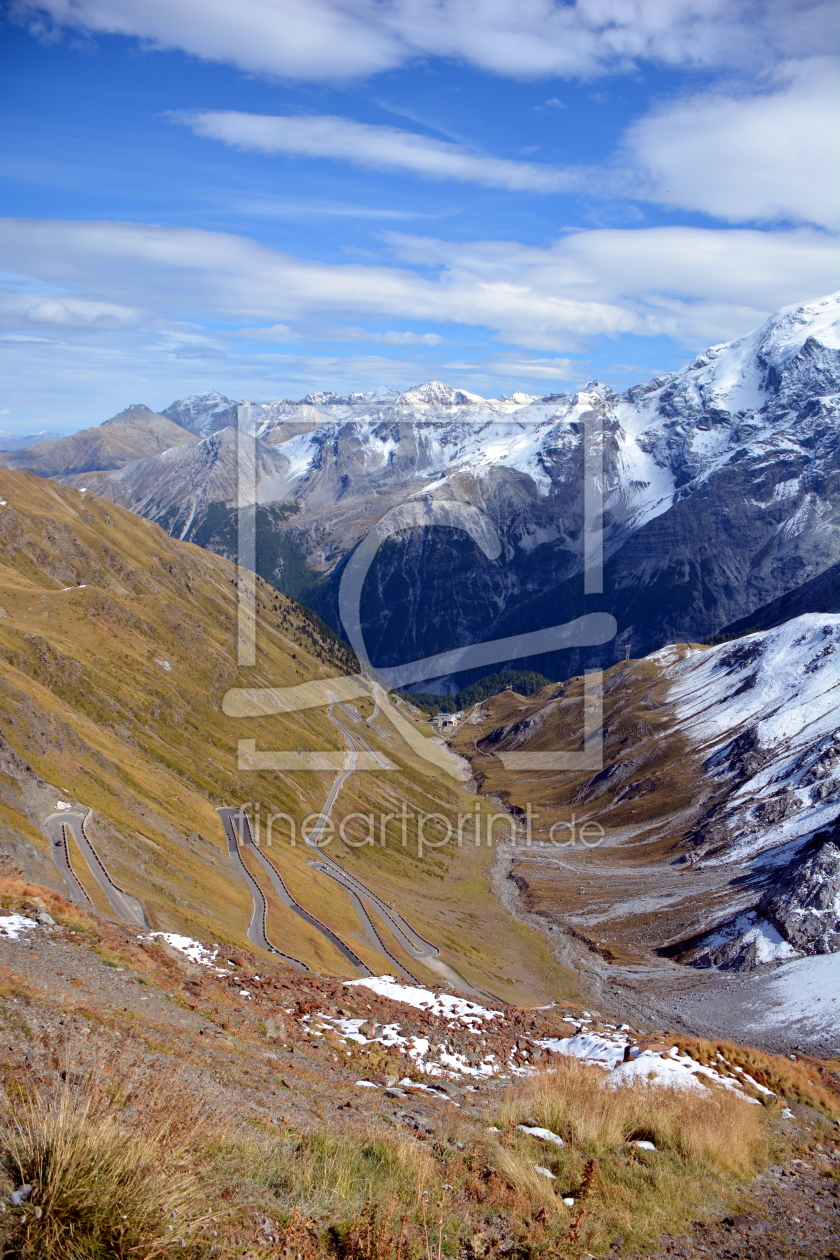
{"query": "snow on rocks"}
pixel 658 1069
pixel 13 925
pixel 766 708
pixel 429 1059
pixel 744 942
pixel 545 1135
pixel 628 1065
pixel 455 1009
pixel 434 1041
pixel 591 1047
pixel 204 955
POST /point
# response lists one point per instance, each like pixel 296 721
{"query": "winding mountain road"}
pixel 238 833
pixel 414 944
pixel 239 836
pixel 126 907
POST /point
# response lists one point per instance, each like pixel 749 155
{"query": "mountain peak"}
pixel 137 412
pixel 203 413
pixel 438 392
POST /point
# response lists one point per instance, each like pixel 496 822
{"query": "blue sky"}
pixel 273 197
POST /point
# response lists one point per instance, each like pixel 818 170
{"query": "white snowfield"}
pixel 803 994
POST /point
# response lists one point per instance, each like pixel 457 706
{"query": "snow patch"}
pixel 444 1005
pixel 12 925
pixel 204 955
pixel 545 1135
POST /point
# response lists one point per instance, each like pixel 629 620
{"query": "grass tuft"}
pixel 97 1189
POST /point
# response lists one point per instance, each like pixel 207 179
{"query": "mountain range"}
pixel 134 433
pixel 719 485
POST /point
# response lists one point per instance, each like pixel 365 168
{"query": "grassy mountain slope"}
pixel 117 646
pixel 135 433
pixel 233 1090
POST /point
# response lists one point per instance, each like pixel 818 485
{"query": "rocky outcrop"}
pixel 805 904
pixel 798 915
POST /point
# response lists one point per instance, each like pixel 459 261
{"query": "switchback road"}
pixel 72 821
pixel 238 833
pixel 239 836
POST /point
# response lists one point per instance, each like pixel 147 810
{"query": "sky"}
pixel 275 197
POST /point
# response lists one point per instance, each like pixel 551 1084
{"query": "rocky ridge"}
pixel 132 434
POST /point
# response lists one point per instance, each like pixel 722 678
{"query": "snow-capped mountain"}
pixel 203 414
pixel 719 483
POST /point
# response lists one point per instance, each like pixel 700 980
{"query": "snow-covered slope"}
pixel 765 709
pixel 203 414
pixel 718 799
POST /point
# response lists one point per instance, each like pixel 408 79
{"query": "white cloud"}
pixel 301 39
pixel 335 39
pixel 277 332
pixel 535 369
pixel 761 156
pixel 381 148
pixel 283 333
pixel 388 338
pixel 78 311
pixel 768 156
pixel 692 284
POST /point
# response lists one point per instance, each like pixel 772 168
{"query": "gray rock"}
pixel 806 909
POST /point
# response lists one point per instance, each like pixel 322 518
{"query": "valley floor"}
pixel 786 1007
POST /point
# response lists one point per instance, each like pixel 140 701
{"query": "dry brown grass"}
pixel 707 1142
pixel 796 1080
pixel 100 1185
pixel 126 1165
pixel 25 898
pixel 717 1128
